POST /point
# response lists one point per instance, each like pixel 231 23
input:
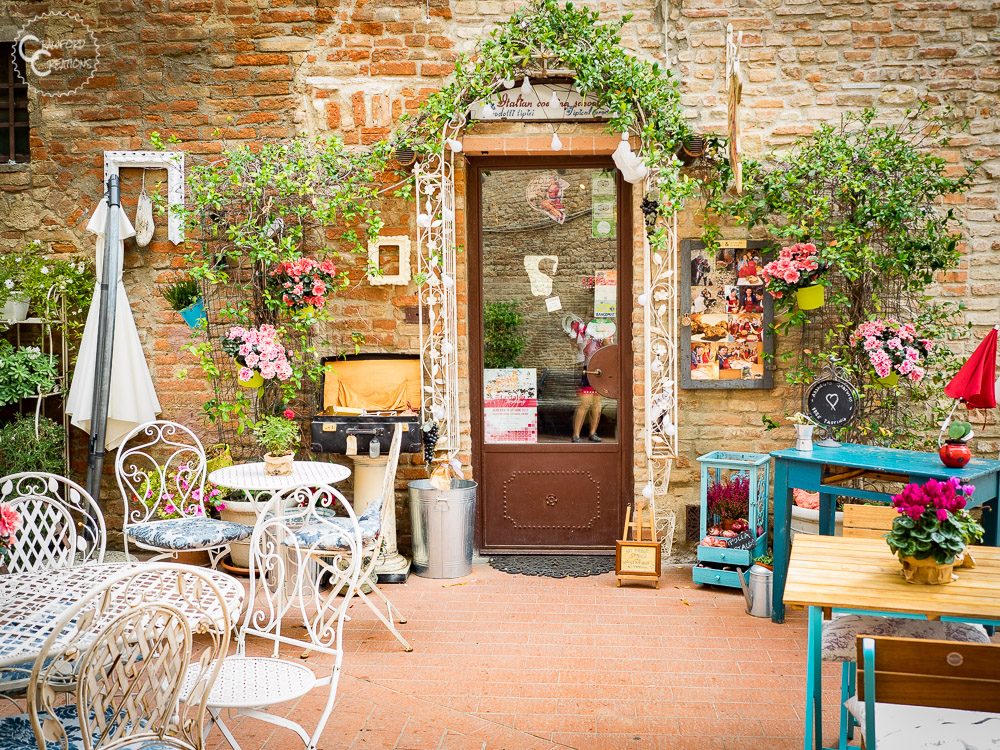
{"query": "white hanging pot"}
pixel 15 309
pixel 143 220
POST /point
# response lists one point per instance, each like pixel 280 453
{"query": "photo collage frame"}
pixel 726 316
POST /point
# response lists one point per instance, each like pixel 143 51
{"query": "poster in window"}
pixel 605 294
pixel 510 405
pixel 726 316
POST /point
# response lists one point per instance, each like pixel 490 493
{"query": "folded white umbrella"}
pixel 133 399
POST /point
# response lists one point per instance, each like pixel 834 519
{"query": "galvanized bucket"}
pixel 443 522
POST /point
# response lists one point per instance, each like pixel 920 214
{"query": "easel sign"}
pixel 637 554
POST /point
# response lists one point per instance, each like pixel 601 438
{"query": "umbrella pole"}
pixel 108 290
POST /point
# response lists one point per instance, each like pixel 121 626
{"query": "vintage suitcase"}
pixel 329 434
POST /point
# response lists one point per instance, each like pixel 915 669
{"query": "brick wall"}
pixel 215 71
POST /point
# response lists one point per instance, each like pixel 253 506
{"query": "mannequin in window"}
pixel 589 401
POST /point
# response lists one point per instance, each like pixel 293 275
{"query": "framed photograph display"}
pixel 726 316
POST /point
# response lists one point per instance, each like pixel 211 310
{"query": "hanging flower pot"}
pixel 810 297
pixel 254 380
pixel 194 313
pixel 889 381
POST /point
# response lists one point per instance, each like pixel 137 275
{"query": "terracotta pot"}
pixel 199 558
pixel 278 466
pixel 928 570
pixel 955 455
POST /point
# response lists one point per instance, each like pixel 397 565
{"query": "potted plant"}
pixel 955 452
pixel 25 371
pixel 804 426
pixel 503 343
pixel 184 296
pixel 10 522
pixel 729 500
pixel 302 285
pixel 258 353
pixel 893 349
pixel 279 436
pixel 933 529
pixel 29 446
pixel 765 561
pixel 805 513
pixel 796 269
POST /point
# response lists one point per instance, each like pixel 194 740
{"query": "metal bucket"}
pixel 443 522
pixel 758 592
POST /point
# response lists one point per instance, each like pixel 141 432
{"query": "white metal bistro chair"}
pixel 285 592
pixel 125 651
pixel 372 522
pixel 160 470
pixel 61 525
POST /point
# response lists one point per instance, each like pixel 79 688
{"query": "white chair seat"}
pixel 840 633
pixel 899 727
pixel 188 533
pixel 255 682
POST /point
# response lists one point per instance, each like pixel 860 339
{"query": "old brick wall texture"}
pixel 216 72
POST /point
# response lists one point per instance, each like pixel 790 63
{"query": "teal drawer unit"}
pixel 734 486
pixel 718 577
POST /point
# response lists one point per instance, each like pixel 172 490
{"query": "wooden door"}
pixel 550 308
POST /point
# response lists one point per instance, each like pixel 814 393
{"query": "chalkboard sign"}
pixel 832 402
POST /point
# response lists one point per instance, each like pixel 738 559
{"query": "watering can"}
pixel 758 592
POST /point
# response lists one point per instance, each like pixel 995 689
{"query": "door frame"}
pixel 626 255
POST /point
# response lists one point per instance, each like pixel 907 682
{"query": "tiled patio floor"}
pixel 517 663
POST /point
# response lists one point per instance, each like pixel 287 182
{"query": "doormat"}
pixel 554 566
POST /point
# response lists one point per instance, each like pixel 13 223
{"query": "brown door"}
pixel 551 361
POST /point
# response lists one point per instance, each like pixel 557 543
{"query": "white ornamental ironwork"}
pixel 660 369
pixel 436 272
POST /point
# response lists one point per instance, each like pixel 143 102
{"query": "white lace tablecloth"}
pixel 251 477
pixel 31 603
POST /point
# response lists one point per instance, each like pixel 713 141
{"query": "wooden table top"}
pixel 845 572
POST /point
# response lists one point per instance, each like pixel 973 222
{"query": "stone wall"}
pixel 216 72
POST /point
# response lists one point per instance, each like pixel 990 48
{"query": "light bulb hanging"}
pixel 554 101
pixel 556 144
pixel 526 89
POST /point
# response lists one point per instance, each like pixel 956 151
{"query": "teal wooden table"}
pixel 819 471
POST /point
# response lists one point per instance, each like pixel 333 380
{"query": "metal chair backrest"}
pixel 388 496
pixel 939 674
pixel 60 524
pixel 868 521
pixel 160 468
pixel 125 650
pixel 296 575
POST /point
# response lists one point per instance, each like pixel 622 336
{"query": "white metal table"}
pixel 251 477
pixel 31 603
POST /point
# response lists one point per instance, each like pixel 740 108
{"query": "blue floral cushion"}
pixel 16 733
pixel 334 532
pixel 188 533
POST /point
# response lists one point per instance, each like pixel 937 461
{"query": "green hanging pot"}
pixel 255 381
pixel 889 381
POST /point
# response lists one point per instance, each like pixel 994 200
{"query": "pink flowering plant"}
pixel 10 522
pixel 796 266
pixel 729 499
pixel 933 521
pixel 257 350
pixel 305 282
pixel 179 497
pixel 892 346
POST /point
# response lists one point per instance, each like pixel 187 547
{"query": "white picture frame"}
pixel 173 162
pixel 402 276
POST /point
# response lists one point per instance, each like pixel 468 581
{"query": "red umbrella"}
pixel 974 383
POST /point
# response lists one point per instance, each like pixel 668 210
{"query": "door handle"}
pixel 598 373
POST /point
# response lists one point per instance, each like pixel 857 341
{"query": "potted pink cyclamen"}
pixel 796 269
pixel 893 349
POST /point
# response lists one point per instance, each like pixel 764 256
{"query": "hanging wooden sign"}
pixel 549 101
pixel 637 554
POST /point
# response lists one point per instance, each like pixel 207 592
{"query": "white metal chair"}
pixel 160 470
pixel 285 591
pixel 126 652
pixel 61 525
pixel 921 694
pixel 372 522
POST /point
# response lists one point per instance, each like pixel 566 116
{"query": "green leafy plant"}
pixel 503 343
pixel 766 561
pixel 24 371
pixel 278 434
pixel 181 294
pixel 49 282
pixel 22 449
pixel 959 432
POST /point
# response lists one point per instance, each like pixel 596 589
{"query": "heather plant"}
pixel 729 499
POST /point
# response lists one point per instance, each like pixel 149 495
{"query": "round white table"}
pixel 251 477
pixel 31 603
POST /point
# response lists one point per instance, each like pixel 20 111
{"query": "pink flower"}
pixel 288 414
pixel 245 374
pixel 10 520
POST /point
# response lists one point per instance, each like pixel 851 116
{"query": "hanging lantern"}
pixel 556 144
